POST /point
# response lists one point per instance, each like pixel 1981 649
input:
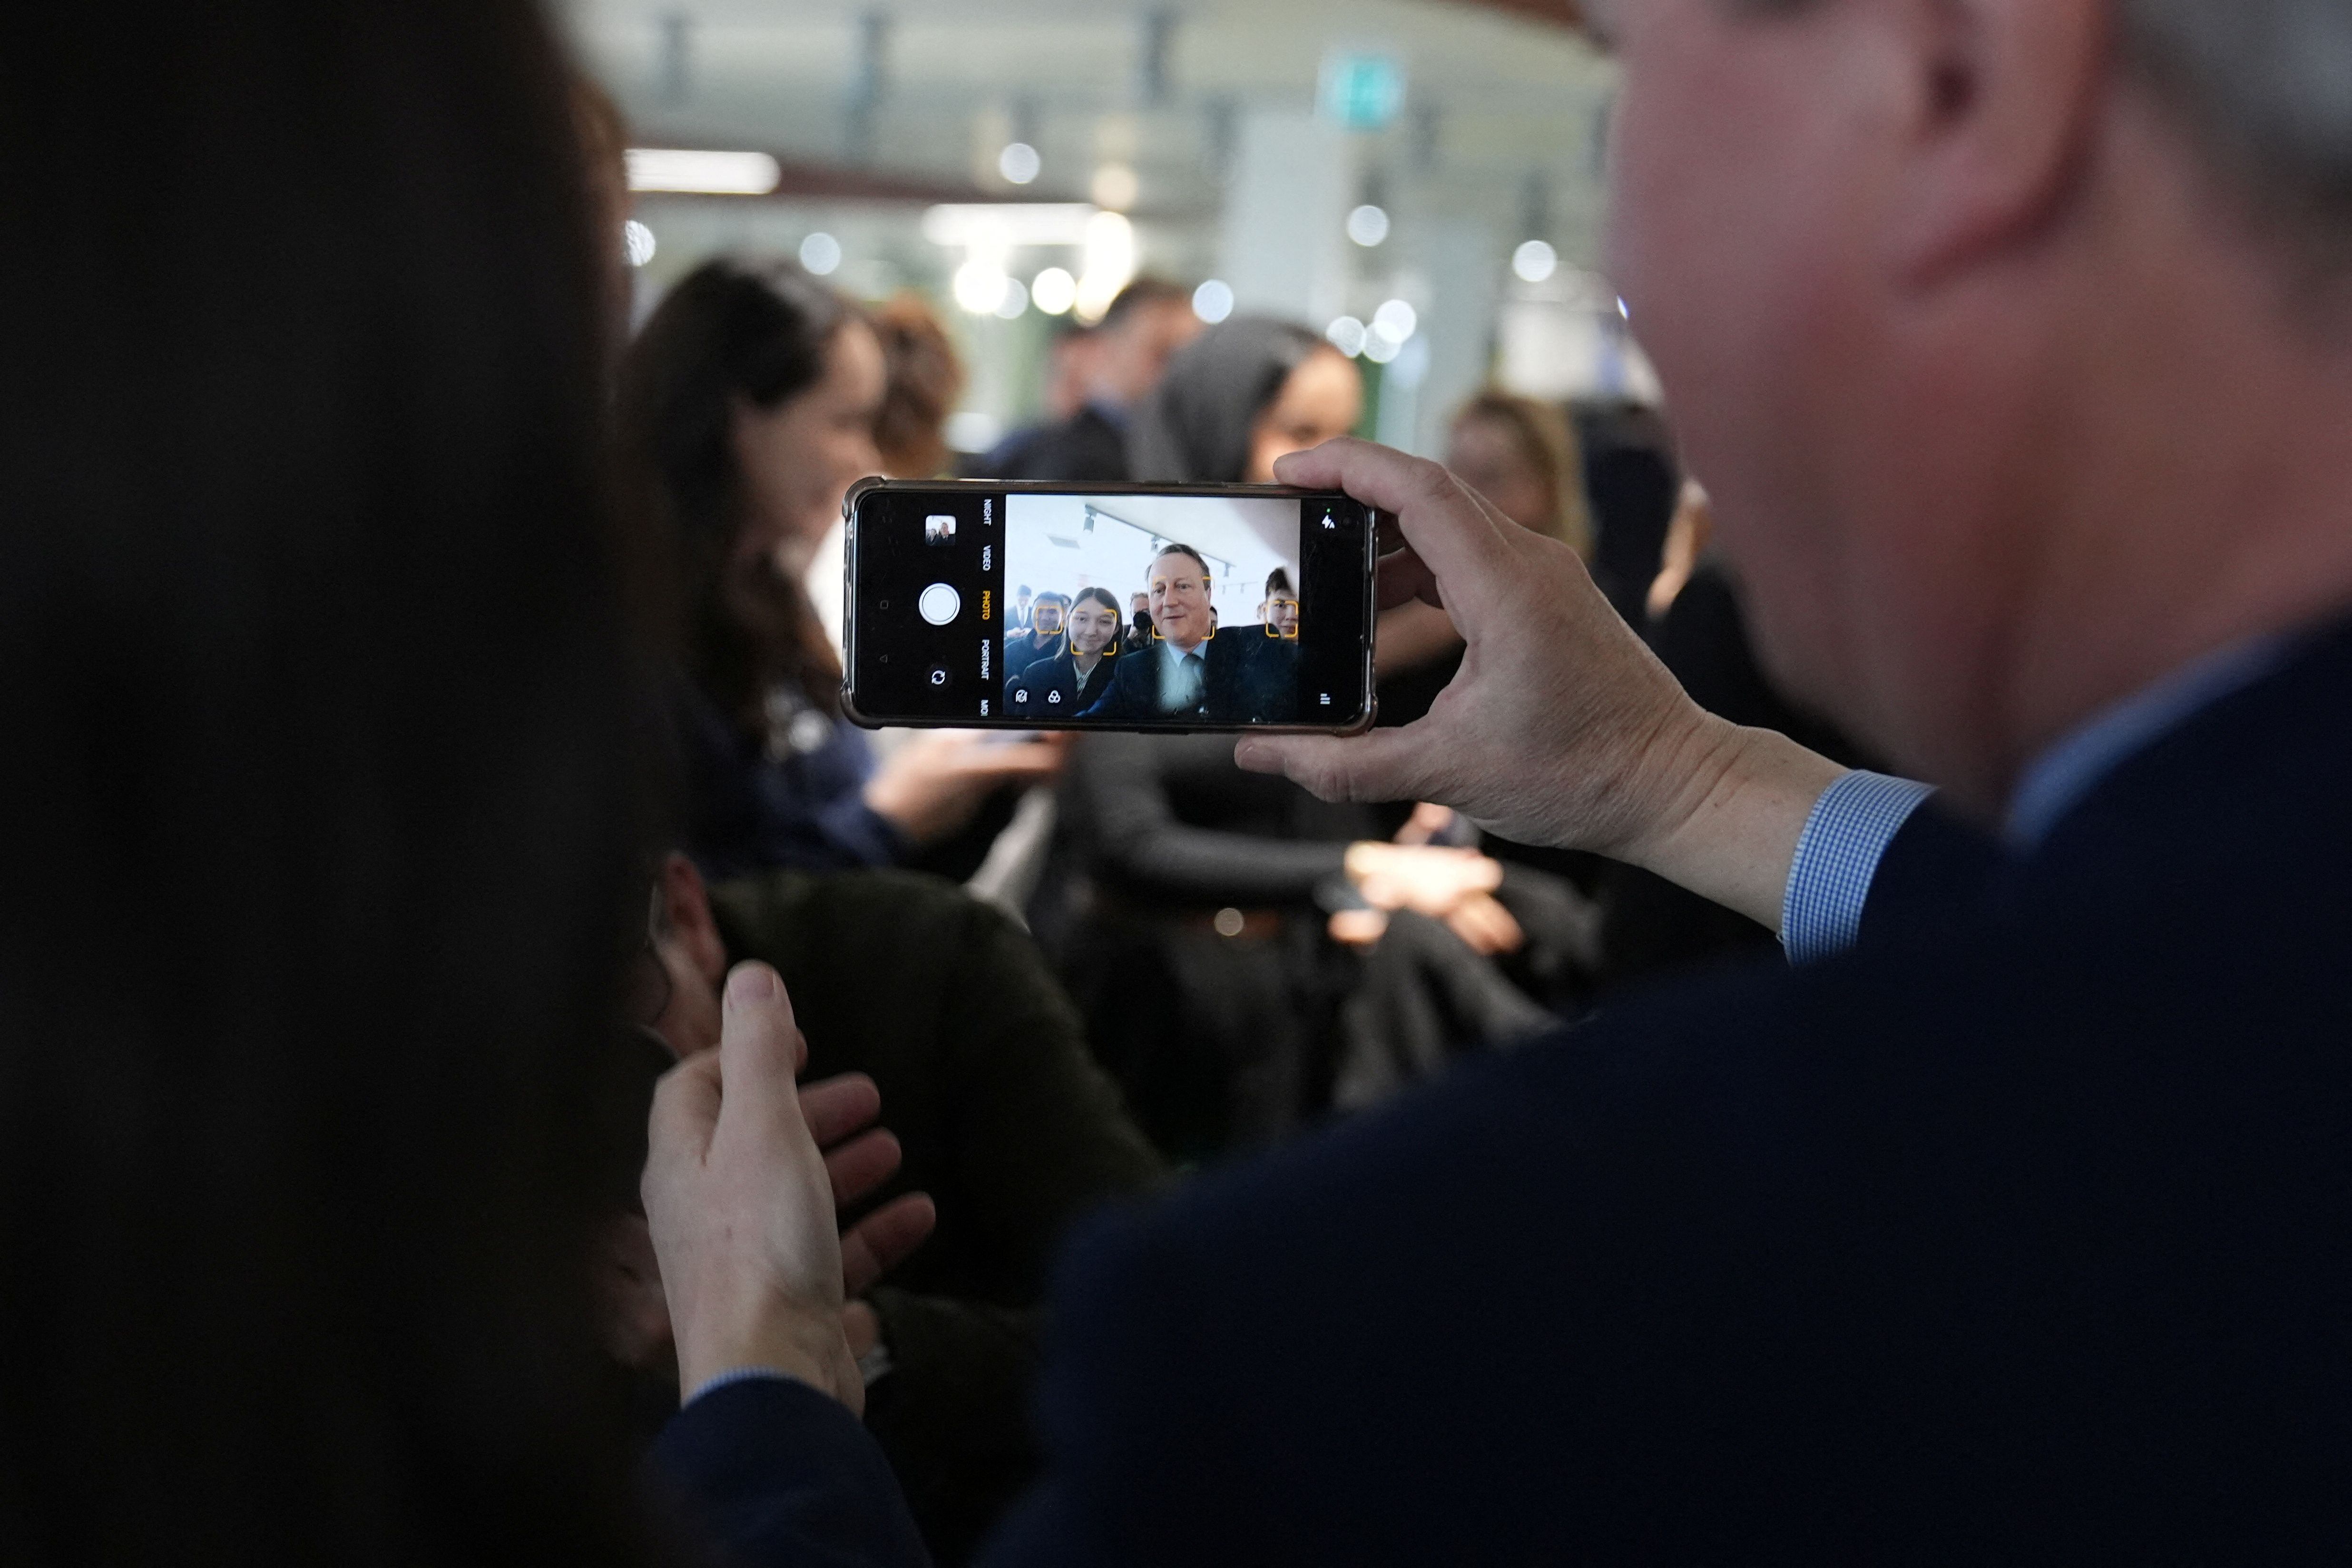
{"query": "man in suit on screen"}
pixel 1187 671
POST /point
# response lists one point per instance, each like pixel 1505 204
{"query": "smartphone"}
pixel 1171 608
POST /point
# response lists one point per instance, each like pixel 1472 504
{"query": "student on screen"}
pixel 1043 640
pixel 1070 682
pixel 1187 671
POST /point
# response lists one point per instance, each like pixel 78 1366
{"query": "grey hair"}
pixel 2267 86
pixel 2264 86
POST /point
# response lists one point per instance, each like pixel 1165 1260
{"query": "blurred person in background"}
pixel 1138 611
pixel 1698 626
pixel 1246 391
pixel 747 408
pixel 1244 908
pixel 1121 359
pixel 922 379
pixel 302 972
pixel 1004 1127
pixel 1069 368
pixel 1077 677
pixel 1633 476
pixel 1523 456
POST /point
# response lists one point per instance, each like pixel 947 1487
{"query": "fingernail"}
pixel 751 983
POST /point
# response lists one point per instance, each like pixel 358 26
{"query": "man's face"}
pixel 1179 601
pixel 1756 163
pixel 1047 618
pixel 1092 625
pixel 1135 353
pixel 1139 604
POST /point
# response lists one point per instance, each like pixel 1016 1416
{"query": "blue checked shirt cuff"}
pixel 1837 855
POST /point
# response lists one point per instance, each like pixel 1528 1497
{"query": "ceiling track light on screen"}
pixel 693 172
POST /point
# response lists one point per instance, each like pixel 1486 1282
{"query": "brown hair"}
pixel 1548 442
pixel 728 332
pixel 296 1229
pixel 926 377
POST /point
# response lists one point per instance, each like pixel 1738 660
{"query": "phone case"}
pixel 871 484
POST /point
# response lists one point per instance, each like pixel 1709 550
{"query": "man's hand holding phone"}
pixel 1562 727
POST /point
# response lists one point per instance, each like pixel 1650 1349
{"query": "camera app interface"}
pixel 1024 608
pixel 1140 609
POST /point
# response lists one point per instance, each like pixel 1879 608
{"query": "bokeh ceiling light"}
pixel 638 243
pixel 980 284
pixel 1368 225
pixel 1019 163
pixel 1212 301
pixel 697 172
pixel 1347 334
pixel 1014 301
pixel 1395 320
pixel 1114 185
pixel 820 253
pixel 1008 225
pixel 1054 291
pixel 1535 261
pixel 1109 264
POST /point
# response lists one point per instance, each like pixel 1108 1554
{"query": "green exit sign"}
pixel 1362 92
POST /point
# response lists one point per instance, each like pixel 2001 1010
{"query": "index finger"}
pixel 1442 522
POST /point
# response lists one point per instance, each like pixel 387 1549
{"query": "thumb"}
pixel 1386 764
pixel 759 1049
pixel 684 1112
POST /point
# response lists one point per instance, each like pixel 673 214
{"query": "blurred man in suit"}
pixel 2007 1222
pixel 1123 358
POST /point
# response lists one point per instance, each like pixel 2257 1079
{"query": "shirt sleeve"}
pixel 1837 855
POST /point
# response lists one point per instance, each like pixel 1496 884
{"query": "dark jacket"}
pixel 1051 687
pixel 1247 676
pixel 1003 1118
pixel 792 799
pixel 1023 650
pixel 2015 1233
pixel 1089 447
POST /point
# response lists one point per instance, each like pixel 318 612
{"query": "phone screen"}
pixel 1065 606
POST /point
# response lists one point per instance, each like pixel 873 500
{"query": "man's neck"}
pixel 2174 479
pixel 2241 531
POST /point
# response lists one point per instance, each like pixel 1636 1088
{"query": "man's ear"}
pixel 2004 101
pixel 686 910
